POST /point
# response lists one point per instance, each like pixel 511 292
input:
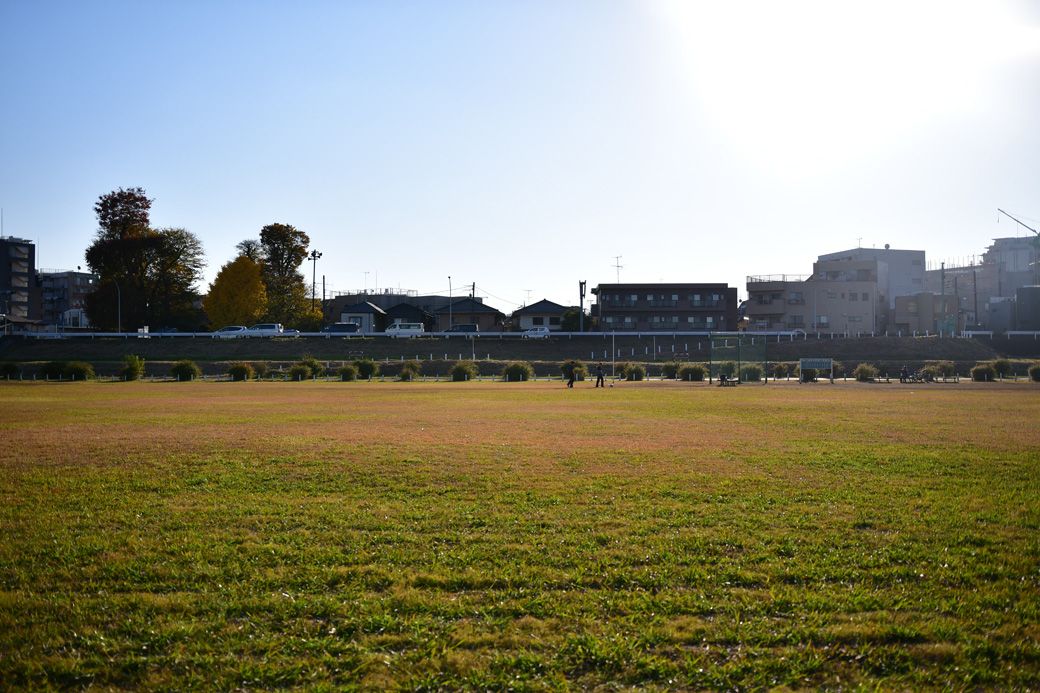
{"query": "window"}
pixel 538 321
pixel 675 297
pixel 866 296
pixel 628 319
pixel 634 297
pixel 832 294
pixel 649 297
pixel 710 320
pixel 823 320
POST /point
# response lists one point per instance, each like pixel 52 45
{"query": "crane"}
pixel 1019 222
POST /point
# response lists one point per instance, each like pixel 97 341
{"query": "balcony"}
pixel 662 303
pixel 707 303
pixel 796 301
pixel 779 278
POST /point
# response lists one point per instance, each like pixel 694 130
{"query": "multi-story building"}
pixel 20 295
pixel 927 312
pixel 668 307
pixel 64 297
pixel 904 274
pixel 841 295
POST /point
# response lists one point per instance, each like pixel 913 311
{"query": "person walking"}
pixel 599 375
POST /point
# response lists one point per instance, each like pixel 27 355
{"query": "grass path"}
pixel 479 535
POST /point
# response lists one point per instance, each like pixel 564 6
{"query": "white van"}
pixel 405 329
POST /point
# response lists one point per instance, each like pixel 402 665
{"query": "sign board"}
pixel 818 364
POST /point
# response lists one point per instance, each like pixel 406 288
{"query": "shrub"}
pixel 347 372
pixel 9 371
pixel 779 370
pixel 409 371
pixel 984 372
pixel 517 370
pixel 316 367
pixel 367 368
pixel 463 370
pixel 576 367
pixel 929 373
pixel 1034 372
pixel 1002 367
pixel 670 370
pixel 240 371
pixel 78 370
pixel 635 371
pixel 299 371
pixel 728 368
pixel 839 368
pixel 752 373
pixel 133 367
pixel 185 370
pixel 807 375
pixel 261 369
pixel 52 369
pixel 864 372
pixel 692 372
pixel 946 369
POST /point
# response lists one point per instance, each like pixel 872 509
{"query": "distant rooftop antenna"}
pixel 527 298
pixel 618 267
pixel 859 242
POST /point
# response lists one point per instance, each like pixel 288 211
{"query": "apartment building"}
pixel 840 296
pixel 927 312
pixel 65 295
pixel 904 272
pixel 20 294
pixel 666 307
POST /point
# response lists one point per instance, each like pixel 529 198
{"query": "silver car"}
pixel 230 332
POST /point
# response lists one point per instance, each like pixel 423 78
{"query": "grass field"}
pixel 524 536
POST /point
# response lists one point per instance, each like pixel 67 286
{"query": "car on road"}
pixel 463 329
pixel 341 329
pixel 231 332
pixel 270 329
pixel 405 329
pixel 541 332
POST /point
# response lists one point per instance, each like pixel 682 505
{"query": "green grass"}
pixel 479 535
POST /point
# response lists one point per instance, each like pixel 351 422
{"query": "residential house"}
pixel 469 311
pixel 543 313
pixel 370 317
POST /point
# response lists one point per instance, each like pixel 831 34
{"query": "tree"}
pixel 146 277
pixel 251 248
pixel 570 320
pixel 284 250
pixel 237 296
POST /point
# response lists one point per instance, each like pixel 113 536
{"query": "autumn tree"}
pixel 146 276
pixel 284 248
pixel 237 296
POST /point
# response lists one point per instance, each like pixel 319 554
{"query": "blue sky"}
pixel 524 145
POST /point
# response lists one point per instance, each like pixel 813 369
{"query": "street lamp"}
pixel 314 274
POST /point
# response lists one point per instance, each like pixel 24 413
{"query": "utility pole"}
pixel 314 274
pixel 450 323
pixel 618 267
pixel 581 306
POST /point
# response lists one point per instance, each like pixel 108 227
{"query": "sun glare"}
pixel 802 88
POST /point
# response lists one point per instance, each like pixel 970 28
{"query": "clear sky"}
pixel 523 144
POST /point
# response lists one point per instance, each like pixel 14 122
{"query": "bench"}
pixel 728 382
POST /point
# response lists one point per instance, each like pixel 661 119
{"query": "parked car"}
pixel 463 329
pixel 405 329
pixel 231 332
pixel 341 328
pixel 270 329
pixel 541 332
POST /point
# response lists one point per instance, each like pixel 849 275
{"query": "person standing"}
pixel 571 376
pixel 599 375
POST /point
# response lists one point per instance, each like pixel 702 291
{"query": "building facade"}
pixel 903 273
pixel 64 297
pixel 841 296
pixel 666 307
pixel 20 294
pixel 927 312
